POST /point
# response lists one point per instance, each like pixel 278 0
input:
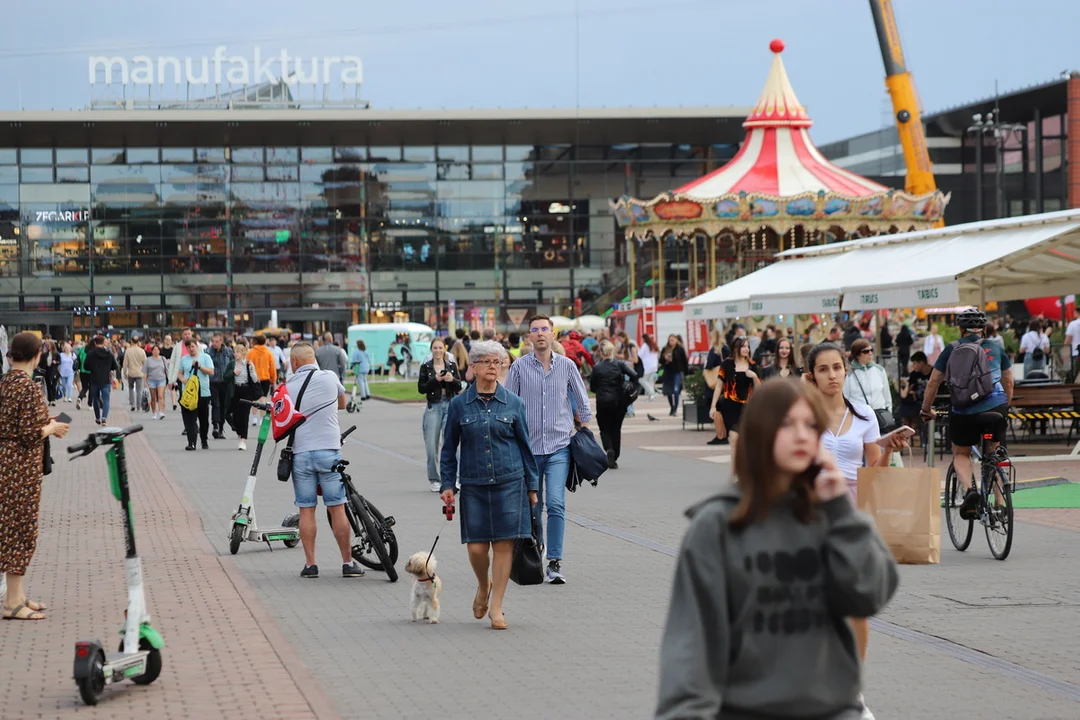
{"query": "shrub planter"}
pixel 696 414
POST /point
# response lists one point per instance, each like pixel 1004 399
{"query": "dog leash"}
pixel 442 527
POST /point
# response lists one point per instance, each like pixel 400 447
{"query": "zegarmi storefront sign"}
pixel 908 296
pixel 222 68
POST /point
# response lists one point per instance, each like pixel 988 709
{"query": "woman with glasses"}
pixel 868 382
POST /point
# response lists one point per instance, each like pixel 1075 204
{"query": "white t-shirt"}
pixel 848 448
pixel 320 431
pixel 1073 331
pixel 1032 340
pixel 650 360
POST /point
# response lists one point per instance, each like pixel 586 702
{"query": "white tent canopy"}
pixel 1010 259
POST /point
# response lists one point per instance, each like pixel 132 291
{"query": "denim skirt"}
pixel 494 512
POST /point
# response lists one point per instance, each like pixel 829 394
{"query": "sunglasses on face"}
pixel 867 351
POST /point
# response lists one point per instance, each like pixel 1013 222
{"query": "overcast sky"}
pixel 563 53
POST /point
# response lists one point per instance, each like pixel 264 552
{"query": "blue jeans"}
pixel 434 423
pixel 99 398
pixel 66 383
pixel 553 470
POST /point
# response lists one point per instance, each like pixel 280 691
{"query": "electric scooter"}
pixel 354 405
pixel 244 526
pixel 139 657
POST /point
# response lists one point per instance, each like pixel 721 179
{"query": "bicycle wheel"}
pixel 999 516
pixel 373 539
pixel 387 533
pixel 959 529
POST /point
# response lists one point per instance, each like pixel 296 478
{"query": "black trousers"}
pixel 610 419
pixel 218 390
pixel 196 422
pixel 240 413
pixel 84 385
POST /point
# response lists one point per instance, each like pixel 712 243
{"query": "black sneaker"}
pixel 969 509
pixel 189 447
pixel 718 441
pixel 205 445
pixel 310 571
pixel 352 570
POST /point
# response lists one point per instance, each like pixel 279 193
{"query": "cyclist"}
pixel 965 428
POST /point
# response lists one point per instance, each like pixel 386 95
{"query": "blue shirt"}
pixel 493 440
pixel 204 379
pixel 546 395
pixel 360 361
pixel 999 362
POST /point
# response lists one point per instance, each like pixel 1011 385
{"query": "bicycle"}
pixel 374 543
pixel 997 482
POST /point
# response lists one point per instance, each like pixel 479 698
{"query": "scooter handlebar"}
pixel 347 433
pixel 256 404
pixel 108 436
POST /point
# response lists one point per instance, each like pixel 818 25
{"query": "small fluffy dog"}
pixel 425 588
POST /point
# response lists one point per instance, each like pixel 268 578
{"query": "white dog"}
pixel 425 589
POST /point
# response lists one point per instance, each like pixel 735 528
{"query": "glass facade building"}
pixel 217 223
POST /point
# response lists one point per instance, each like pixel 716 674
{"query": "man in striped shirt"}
pixel 545 381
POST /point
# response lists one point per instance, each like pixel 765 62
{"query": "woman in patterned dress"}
pixel 24 425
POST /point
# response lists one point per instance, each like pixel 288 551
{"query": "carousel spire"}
pixel 778 106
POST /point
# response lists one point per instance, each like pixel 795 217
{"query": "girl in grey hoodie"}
pixel 766 576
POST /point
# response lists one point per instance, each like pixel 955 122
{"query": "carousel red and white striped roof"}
pixel 777 157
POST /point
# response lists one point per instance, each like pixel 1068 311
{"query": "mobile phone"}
pixel 904 430
pixel 63 418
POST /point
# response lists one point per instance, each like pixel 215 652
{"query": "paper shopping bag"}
pixel 905 504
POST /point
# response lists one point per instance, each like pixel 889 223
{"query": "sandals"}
pixel 480 607
pixel 15 613
pixel 498 624
pixel 40 607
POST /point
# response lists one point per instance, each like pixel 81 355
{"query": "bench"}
pixel 1046 403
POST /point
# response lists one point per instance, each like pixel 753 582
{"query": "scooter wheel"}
pixel 291 521
pixel 153 663
pixel 236 538
pixel 91 686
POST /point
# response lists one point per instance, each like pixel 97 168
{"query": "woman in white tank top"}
pixel 851 436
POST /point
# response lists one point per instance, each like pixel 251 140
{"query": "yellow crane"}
pixel 901 86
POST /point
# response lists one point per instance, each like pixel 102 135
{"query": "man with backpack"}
pixel 979 377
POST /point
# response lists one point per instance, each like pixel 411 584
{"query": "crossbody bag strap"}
pixel 855 375
pixel 299 397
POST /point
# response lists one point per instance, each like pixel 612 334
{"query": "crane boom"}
pixel 901 86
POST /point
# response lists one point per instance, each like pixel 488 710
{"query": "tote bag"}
pixel 905 504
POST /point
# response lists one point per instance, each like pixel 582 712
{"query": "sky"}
pixel 566 53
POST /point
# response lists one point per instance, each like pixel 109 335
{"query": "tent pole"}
pixel 693 270
pixel 660 270
pixel 630 265
pixel 711 251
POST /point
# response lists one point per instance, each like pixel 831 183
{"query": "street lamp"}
pixel 1000 134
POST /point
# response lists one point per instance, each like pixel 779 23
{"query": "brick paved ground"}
pixel 204 608
pixel 584 650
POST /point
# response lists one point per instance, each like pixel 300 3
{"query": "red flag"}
pixel 284 418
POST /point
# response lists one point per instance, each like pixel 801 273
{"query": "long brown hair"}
pixel 648 340
pixel 755 462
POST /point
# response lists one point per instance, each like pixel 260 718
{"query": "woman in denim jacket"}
pixel 497 474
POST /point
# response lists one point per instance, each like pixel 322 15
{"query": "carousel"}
pixel 777 193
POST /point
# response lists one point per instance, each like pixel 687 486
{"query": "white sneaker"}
pixel 243 444
pixel 254 422
pixel 435 486
pixel 553 574
pixel 866 714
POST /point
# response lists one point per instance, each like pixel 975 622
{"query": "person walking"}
pixel 329 357
pixel 546 382
pixel 360 362
pixel 245 387
pixel 933 345
pixel 439 382
pixel 607 380
pixel 197 363
pixel 627 351
pixel 766 575
pixel 266 370
pixel 67 372
pixel 167 349
pixel 851 437
pixel 134 360
pixel 156 372
pixel 904 340
pixel 649 354
pixel 222 358
pixel 102 368
pixel 49 368
pixel 674 363
pixel 735 383
pixel 488 427
pixel 316 449
pixel 84 374
pixel 718 352
pixel 24 427
pixel 1034 348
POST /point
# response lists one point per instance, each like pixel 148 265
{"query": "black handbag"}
pixel 46 458
pixel 527 566
pixel 285 460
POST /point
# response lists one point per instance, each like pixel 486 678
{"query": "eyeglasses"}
pixel 541 329
pixel 491 363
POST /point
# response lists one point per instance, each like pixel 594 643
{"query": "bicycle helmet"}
pixel 971 319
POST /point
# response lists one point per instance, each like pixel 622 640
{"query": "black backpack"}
pixel 968 374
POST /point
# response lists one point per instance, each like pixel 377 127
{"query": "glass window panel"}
pixel 8 156
pixel 282 172
pixel 487 172
pixel 37 175
pixel 9 194
pixel 9 174
pixel 415 153
pixel 177 155
pixel 107 156
pixel 73 174
pixel 282 155
pixel 71 156
pixel 331 173
pixel 519 153
pixel 355 154
pixel 459 153
pixel 402 172
pixel 248 173
pixel 453 171
pixel 37 156
pixel 211 155
pixel 137 156
pixel 247 155
pixel 317 155
pixel 487 153
pixel 391 153
pixel 106 173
